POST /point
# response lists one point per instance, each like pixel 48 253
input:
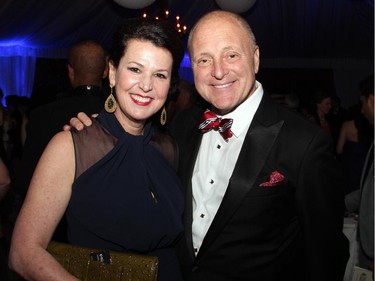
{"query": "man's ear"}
pixel 256 59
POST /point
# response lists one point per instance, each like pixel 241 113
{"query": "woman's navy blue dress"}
pixel 130 200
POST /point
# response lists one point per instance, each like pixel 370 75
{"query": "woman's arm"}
pixel 4 180
pixel 46 201
pixel 342 139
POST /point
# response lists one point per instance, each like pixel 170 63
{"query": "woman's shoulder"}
pixel 62 140
pixel 91 144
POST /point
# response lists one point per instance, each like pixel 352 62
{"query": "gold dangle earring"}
pixel 110 104
pixel 163 116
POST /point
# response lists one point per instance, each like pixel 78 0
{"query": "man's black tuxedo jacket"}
pixel 292 231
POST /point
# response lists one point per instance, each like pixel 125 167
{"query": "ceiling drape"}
pixel 296 30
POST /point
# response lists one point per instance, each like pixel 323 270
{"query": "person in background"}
pixel 16 114
pixel 264 192
pixel 361 201
pixel 87 67
pixel 117 189
pixel 320 107
pixel 356 136
pixel 4 179
pixel 186 97
pixel 3 154
pixel 5 182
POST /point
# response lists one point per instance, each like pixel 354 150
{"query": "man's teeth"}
pixel 223 86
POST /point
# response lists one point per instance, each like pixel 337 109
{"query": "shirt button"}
pixel 202 216
pixel 218 146
pixel 211 181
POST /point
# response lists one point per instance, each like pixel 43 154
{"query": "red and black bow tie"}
pixel 210 121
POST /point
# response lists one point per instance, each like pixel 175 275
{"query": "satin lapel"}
pixel 258 142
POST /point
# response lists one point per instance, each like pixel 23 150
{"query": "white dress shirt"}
pixel 214 166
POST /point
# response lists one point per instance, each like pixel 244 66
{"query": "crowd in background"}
pixel 352 135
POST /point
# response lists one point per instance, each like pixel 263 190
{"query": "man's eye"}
pixel 232 56
pixel 203 61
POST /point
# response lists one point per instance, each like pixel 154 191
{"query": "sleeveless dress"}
pixel 129 200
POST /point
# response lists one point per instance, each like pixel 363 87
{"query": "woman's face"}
pixel 142 82
pixel 325 105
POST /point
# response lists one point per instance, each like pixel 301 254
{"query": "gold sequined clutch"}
pixel 89 264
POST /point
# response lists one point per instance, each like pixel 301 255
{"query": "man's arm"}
pixel 320 205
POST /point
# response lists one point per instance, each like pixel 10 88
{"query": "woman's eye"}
pixel 134 69
pixel 160 75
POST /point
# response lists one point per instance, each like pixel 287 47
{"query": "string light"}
pixel 182 29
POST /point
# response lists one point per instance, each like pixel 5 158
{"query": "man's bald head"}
pixel 87 63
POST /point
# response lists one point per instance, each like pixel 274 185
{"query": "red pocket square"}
pixel 275 179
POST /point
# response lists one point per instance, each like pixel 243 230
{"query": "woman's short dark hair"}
pixel 158 32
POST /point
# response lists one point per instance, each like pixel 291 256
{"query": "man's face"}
pixel 224 62
pixel 368 108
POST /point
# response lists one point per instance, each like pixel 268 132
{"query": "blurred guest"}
pixel 4 187
pixel 321 112
pixel 356 136
pixel 185 97
pixel 15 119
pixel 2 116
pixel 87 67
pixel 362 200
pixel 320 108
pixel 4 180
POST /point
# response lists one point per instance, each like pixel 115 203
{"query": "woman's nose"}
pixel 145 84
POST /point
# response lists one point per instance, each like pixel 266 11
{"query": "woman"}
pixel 5 182
pixel 322 104
pixel 355 139
pixel 117 189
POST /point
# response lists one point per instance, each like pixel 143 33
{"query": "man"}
pixel 362 200
pixel 87 67
pixel 266 202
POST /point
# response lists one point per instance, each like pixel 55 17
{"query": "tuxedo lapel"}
pixel 256 147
